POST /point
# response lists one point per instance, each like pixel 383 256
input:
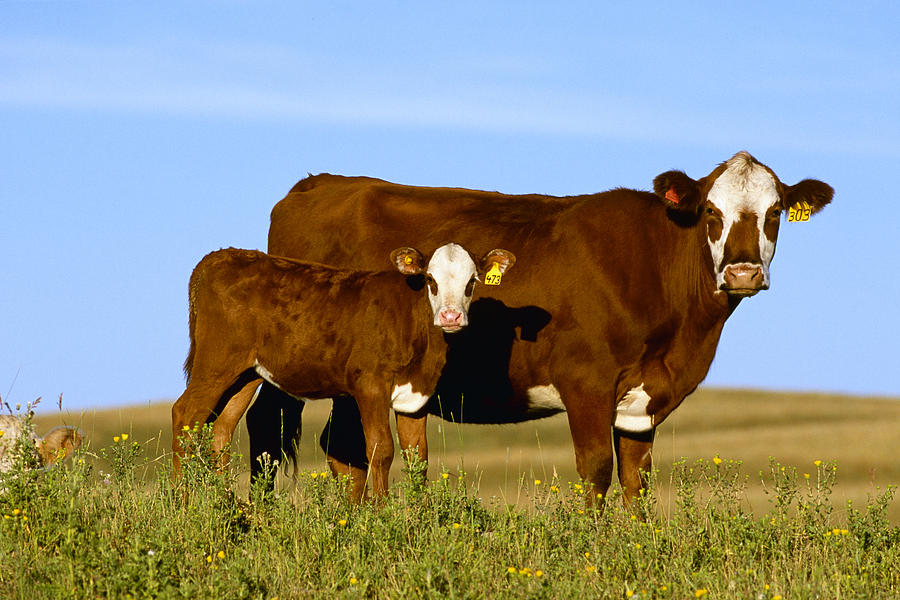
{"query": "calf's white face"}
pixel 742 212
pixel 450 277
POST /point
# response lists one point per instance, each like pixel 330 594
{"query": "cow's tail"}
pixel 192 326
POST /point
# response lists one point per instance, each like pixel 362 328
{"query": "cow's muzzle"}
pixel 743 279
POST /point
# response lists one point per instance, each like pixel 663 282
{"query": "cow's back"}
pixel 357 221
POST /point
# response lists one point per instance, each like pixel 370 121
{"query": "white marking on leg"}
pixel 631 411
pixel 544 397
pixel 405 400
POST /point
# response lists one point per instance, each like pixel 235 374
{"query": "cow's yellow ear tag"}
pixel 407 260
pixel 492 277
pixel 799 212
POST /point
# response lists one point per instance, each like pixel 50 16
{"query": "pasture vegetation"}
pixel 113 522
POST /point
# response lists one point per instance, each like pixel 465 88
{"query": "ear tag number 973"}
pixel 492 277
pixel 799 212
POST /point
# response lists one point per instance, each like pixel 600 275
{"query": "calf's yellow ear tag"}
pixel 407 260
pixel 492 277
pixel 799 212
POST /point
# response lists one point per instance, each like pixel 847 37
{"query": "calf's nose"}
pixel 450 317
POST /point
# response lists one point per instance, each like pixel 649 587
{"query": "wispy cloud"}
pixel 279 83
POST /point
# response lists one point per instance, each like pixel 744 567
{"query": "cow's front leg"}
pixel 635 459
pixel 344 444
pixel 590 419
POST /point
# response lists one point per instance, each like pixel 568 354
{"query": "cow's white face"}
pixel 450 276
pixel 743 207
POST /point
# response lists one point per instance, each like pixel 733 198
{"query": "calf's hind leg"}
pixel 230 415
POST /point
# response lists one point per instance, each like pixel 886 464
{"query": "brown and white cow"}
pixel 614 316
pixel 315 332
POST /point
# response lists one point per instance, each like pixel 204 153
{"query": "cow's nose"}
pixel 743 276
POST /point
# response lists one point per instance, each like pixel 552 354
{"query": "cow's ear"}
pixel 504 259
pixel 678 191
pixel 58 444
pixel 815 193
pixel 408 261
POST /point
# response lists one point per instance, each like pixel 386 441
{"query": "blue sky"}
pixel 135 137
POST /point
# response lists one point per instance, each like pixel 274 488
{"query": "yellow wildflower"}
pixel 538 573
pixel 717 460
pixel 700 593
pixel 353 581
pixel 817 462
pixel 209 558
pixel 342 522
pixel 124 437
pixel 537 482
pixel 445 475
pixel 591 569
pixel 116 439
pixel 221 554
pixel 511 570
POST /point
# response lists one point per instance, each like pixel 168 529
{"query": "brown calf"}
pixel 314 331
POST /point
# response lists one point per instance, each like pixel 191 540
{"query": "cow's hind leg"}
pixel 635 459
pixel 274 423
pixel 344 443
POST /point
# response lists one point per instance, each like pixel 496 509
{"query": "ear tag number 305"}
pixel 799 212
pixel 492 277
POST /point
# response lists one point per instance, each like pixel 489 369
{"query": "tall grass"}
pixel 116 523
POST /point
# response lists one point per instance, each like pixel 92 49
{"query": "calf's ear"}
pixel 408 261
pixel 678 191
pixel 812 191
pixel 57 444
pixel 504 259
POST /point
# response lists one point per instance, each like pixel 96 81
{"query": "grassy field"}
pixel 860 435
pixel 502 515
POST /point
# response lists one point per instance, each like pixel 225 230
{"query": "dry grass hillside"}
pixel 861 435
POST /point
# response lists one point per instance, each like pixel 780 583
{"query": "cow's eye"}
pixel 470 287
pixel 776 213
pixel 710 210
pixel 431 283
